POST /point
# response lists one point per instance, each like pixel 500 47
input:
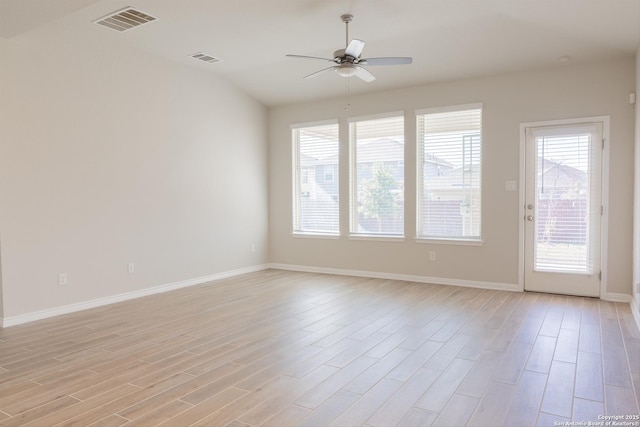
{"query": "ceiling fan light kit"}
pixel 348 62
pixel 347 70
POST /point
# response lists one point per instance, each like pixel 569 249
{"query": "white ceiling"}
pixel 448 39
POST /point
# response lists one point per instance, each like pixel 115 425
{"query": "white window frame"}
pixel 447 240
pixel 353 185
pixel 329 177
pixel 297 181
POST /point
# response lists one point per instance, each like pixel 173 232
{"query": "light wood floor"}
pixel 282 348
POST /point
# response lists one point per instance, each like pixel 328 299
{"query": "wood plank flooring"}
pixel 278 348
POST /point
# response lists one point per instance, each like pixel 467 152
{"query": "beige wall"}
pixel 112 156
pixel 1 288
pixel 509 100
pixel 636 243
pixel 3 126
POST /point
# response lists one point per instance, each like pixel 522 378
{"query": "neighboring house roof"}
pixel 369 152
pixel 306 160
pixel 433 159
pixel 451 180
pixel 556 175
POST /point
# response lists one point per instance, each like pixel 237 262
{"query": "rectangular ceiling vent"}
pixel 125 19
pixel 206 58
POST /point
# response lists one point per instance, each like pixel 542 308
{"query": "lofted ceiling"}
pixel 448 39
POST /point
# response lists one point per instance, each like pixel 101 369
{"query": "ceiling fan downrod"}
pixel 346 18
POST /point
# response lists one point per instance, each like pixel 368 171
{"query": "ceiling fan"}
pixel 348 63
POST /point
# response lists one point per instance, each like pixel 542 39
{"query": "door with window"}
pixel 563 208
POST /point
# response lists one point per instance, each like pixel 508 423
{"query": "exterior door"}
pixel 563 209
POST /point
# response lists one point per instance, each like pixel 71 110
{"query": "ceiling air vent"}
pixel 206 58
pixel 125 19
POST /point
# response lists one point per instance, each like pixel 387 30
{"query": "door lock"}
pixel 529 217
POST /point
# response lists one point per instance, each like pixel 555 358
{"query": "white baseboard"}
pixel 615 297
pixel 392 276
pixel 635 309
pixel 85 305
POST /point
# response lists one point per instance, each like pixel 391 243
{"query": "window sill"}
pixel 315 236
pixel 373 237
pixel 460 242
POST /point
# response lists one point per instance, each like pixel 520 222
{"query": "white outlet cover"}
pixel 510 185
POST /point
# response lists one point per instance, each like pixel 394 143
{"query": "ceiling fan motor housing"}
pixel 340 57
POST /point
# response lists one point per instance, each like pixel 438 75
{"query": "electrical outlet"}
pixel 432 255
pixel 63 279
pixel 131 268
pixel 253 247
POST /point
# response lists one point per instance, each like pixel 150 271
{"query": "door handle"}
pixel 529 217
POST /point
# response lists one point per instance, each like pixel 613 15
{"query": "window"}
pixel 315 179
pixel 329 171
pixel 449 173
pixel 377 176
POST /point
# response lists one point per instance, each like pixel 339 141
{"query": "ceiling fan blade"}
pixel 397 60
pixel 318 72
pixel 355 48
pixel 364 75
pixel 311 57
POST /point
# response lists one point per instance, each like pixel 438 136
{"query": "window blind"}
pixel 449 174
pixel 315 193
pixel 564 210
pixel 377 176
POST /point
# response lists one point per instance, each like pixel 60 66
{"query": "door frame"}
pixel 604 225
